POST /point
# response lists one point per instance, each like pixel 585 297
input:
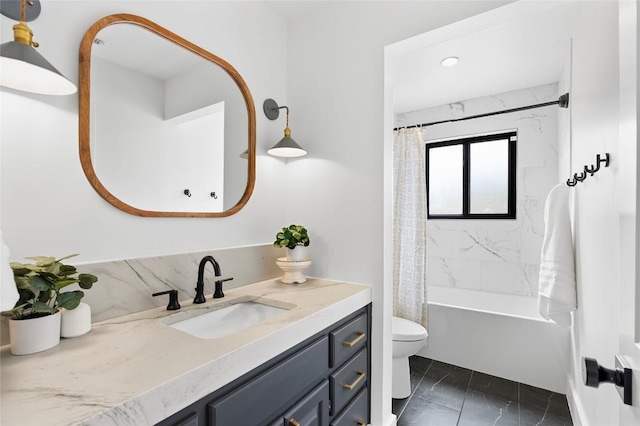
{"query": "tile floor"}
pixel 446 395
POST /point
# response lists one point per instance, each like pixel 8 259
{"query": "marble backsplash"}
pixel 126 286
pixel 499 256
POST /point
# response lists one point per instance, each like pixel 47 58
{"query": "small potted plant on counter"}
pixel 34 323
pixel 294 238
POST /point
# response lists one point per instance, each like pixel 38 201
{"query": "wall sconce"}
pixel 287 147
pixel 23 68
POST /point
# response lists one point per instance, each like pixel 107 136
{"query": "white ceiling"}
pixel 524 53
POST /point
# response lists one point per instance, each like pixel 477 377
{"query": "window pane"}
pixel 445 180
pixel 489 176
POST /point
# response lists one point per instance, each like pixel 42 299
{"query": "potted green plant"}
pixel 34 323
pixel 294 237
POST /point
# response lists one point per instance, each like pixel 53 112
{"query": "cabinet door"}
pixel 356 413
pixel 313 410
pixel 264 396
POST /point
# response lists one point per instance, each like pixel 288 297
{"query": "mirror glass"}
pixel 163 122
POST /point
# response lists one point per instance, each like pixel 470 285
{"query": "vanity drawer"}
pixel 356 413
pixel 348 380
pixel 348 340
pixel 262 397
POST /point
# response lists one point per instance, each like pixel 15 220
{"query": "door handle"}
pixel 593 374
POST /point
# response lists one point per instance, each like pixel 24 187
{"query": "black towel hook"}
pixel 593 169
pixel 571 182
pixel 580 178
pixel 187 193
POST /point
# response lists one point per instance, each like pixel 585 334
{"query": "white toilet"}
pixel 408 338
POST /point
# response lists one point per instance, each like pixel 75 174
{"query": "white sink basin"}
pixel 225 321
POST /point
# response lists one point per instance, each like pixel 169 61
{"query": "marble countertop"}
pixel 135 370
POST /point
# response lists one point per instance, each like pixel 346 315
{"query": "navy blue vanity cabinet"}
pixel 323 381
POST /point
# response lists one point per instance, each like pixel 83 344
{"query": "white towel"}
pixel 557 284
pixel 8 291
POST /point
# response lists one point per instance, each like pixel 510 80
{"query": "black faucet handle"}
pixel 173 299
pixel 218 291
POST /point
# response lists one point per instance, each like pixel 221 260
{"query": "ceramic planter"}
pixel 75 322
pixel 29 336
pixel 297 254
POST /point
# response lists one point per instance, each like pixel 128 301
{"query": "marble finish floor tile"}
pixel 444 395
pixel 444 384
pixel 419 412
pixel 482 409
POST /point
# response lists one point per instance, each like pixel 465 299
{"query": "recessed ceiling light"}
pixel 450 61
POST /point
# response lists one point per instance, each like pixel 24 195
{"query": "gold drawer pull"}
pixel 361 335
pixel 361 375
pixel 293 422
pixel 361 423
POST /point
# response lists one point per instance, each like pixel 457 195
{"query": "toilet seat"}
pixel 407 331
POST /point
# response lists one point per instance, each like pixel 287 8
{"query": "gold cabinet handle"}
pixel 361 375
pixel 293 422
pixel 361 335
pixel 361 423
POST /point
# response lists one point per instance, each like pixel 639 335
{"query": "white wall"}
pixel 594 127
pixel 48 207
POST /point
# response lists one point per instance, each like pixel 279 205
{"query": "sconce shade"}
pixel 287 147
pixel 21 66
pixel 24 68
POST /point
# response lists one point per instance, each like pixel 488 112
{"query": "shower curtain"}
pixel 409 226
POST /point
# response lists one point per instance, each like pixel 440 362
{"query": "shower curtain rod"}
pixel 562 102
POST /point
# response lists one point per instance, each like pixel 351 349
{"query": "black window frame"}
pixel 512 137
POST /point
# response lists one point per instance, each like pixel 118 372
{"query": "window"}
pixel 472 178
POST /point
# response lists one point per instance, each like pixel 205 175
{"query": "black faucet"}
pixel 200 284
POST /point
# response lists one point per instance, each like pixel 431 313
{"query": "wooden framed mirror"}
pixel 166 128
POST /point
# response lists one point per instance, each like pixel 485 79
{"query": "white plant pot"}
pixel 29 336
pixel 75 322
pixel 297 254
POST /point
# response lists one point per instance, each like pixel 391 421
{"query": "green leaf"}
pixel 25 297
pixel 40 283
pixel 63 283
pixel 86 280
pixel 44 297
pixel 66 270
pixel 70 300
pixel 19 269
pixel 43 260
pixel 67 257
pixel 24 283
pixel 42 307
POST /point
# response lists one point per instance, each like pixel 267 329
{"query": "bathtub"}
pixel 497 334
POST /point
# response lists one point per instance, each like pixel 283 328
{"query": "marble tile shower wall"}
pixel 499 256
